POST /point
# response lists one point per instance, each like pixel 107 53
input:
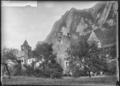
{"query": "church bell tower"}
pixel 26 49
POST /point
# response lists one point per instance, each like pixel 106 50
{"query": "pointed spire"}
pixel 25 42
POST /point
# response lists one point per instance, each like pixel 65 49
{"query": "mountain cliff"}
pixel 77 23
pixel 76 26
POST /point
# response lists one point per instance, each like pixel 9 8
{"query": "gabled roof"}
pixel 93 37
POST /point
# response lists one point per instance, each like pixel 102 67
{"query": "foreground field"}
pixel 82 81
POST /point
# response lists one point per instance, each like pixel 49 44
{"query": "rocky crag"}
pixel 76 26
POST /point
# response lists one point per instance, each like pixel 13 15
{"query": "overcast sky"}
pixel 33 23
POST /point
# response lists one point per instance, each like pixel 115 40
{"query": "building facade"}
pixel 26 49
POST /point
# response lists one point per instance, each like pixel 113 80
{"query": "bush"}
pixel 76 72
pixel 56 75
pixel 111 68
pixel 41 73
pixel 49 66
pixel 17 70
pixel 29 70
pixel 37 73
pixel 11 70
pixel 51 70
pixel 66 75
pixel 46 73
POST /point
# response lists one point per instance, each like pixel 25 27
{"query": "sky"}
pixel 20 22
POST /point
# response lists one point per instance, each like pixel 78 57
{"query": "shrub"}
pixel 68 74
pixel 46 73
pixel 29 70
pixel 17 70
pixel 39 73
pixel 56 75
pixel 49 65
pixel 50 70
pixel 76 72
pixel 65 75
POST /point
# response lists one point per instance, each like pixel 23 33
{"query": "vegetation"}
pixel 49 67
pixel 44 53
pixel 85 58
pixel 30 71
pixel 10 55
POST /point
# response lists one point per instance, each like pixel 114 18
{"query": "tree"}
pixel 88 56
pixel 5 56
pixel 30 71
pixel 95 60
pixel 44 52
pixel 113 51
pixel 110 53
pixel 3 66
pixel 10 54
pixel 76 57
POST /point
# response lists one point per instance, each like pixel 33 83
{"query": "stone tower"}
pixel 26 49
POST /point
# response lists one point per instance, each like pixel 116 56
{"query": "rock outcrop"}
pixel 76 26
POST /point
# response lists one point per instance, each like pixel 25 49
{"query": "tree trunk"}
pixel 7 70
pixel 6 66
